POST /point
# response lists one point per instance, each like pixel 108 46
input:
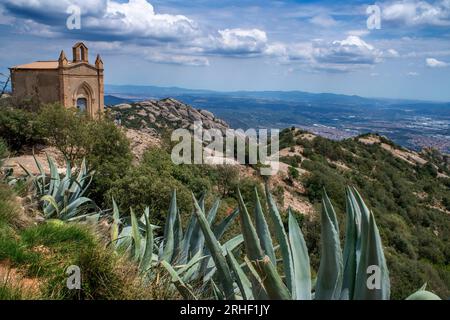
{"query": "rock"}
pixel 142 113
pixel 207 114
pixel 169 113
pixel 123 106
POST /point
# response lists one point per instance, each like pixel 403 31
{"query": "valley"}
pixel 411 124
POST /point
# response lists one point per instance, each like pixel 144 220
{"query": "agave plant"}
pixel 183 253
pixel 341 275
pixel 62 197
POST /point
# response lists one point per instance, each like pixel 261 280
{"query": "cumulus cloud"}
pixel 413 12
pixel 237 42
pixel 108 19
pixel 346 55
pixel 434 63
pixel 178 39
pixel 137 18
pixel 343 55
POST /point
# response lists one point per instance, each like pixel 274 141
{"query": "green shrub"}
pixel 108 155
pixel 19 128
pixel 65 129
pixel 103 145
pixel 150 184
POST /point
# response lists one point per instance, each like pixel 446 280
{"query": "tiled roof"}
pixel 39 65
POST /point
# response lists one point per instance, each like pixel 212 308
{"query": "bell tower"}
pixel 80 53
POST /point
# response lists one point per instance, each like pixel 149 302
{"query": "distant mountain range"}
pixel 411 123
pixel 138 92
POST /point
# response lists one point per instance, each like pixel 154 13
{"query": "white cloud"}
pixel 392 53
pixel 416 12
pixel 137 18
pixel 237 42
pixel 323 20
pixel 337 56
pixel 350 51
pixel 412 74
pixel 434 63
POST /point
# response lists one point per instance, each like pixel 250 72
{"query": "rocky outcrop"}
pixel 152 116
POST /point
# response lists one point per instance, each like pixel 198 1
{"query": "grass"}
pixel 40 254
pixel 9 210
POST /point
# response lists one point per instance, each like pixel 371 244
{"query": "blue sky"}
pixel 316 46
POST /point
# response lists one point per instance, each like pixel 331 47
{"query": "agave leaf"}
pixel 115 222
pixel 146 261
pixel 272 281
pixel 283 241
pixel 54 177
pixel 198 239
pixel 300 260
pixel 51 200
pixel 262 230
pixel 230 245
pixel 216 252
pixel 187 271
pixel 218 294
pixel 258 290
pixel 423 294
pixel 169 236
pixel 222 227
pixel 329 278
pixel 251 240
pixel 72 208
pixel 242 281
pixel 178 238
pixel 372 256
pixel 184 289
pixel 124 241
pixel 136 236
pixel 213 212
pixel 369 254
pixel 352 238
pixel 186 243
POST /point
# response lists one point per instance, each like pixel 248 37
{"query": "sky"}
pixel 392 49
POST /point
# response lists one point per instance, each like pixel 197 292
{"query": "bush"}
pixel 19 128
pixel 151 183
pixel 65 129
pixel 108 154
pixel 104 146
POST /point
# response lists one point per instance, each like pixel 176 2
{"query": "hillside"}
pixel 408 191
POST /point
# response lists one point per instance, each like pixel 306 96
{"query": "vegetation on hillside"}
pixel 410 202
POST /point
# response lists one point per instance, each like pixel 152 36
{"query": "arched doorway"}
pixel 84 99
pixel 82 104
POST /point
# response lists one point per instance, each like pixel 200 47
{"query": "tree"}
pixel 66 129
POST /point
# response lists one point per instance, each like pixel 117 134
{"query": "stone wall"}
pixel 39 84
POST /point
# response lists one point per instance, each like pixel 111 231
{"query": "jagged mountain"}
pixel 153 116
